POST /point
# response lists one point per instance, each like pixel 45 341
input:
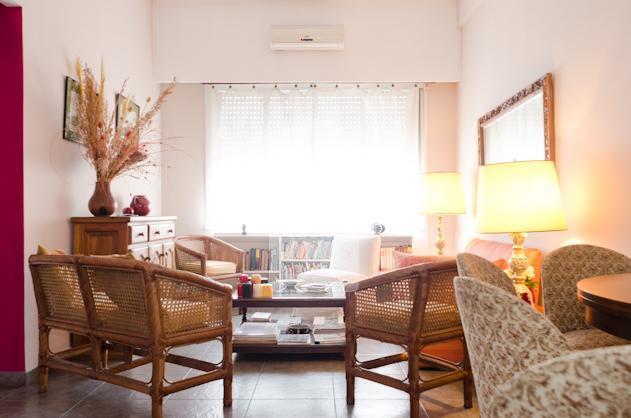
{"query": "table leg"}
pixel 245 313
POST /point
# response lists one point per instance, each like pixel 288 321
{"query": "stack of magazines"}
pixel 256 333
pixel 328 330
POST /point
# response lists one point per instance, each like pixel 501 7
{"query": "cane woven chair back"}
pixel 471 265
pixel 504 335
pixel 120 301
pixel 188 307
pixel 563 268
pixel 417 300
pixel 190 254
pixel 57 290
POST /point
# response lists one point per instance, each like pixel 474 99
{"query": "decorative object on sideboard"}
pixel 378 228
pixel 140 205
pixel 113 150
pixel 70 111
pixel 517 198
pixel 521 128
pixel 128 211
pixel 102 203
pixel 442 195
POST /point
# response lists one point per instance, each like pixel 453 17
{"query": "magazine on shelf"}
pixel 260 317
pixel 284 322
pixel 294 339
pixel 256 333
pixel 327 325
pixel 332 338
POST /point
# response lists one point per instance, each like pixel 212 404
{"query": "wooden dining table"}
pixel 607 301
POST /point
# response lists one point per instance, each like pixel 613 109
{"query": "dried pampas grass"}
pixel 114 150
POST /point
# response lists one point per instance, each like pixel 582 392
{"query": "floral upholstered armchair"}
pixel 592 383
pixel 562 269
pixel 210 257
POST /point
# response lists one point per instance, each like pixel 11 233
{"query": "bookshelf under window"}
pixel 286 256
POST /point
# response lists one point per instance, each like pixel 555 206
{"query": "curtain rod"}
pixel 313 85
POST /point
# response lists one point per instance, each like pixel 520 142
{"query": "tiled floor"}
pixel 269 386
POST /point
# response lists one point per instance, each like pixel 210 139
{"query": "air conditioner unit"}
pixel 307 38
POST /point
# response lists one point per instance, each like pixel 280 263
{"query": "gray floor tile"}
pixel 371 408
pixel 303 408
pixel 292 386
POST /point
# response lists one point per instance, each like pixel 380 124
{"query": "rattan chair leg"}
pixel 351 351
pixel 105 358
pixel 227 364
pixel 42 379
pixel 128 354
pixel 467 382
pixel 157 380
pixel 42 376
pixel 413 378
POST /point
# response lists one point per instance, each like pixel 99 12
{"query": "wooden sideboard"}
pixel 148 238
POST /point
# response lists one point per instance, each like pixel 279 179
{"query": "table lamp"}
pixel 517 198
pixel 442 195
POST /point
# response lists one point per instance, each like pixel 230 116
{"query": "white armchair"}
pixel 353 257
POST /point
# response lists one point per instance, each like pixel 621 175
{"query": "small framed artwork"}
pixel 71 133
pixel 133 112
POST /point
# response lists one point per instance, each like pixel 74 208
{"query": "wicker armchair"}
pixel 551 388
pixel 504 335
pixel 135 304
pixel 411 307
pixel 471 265
pixel 210 257
pixel 562 269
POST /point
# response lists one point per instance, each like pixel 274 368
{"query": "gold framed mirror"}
pixel 521 128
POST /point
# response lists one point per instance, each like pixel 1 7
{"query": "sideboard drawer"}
pixel 138 233
pixel 140 253
pixel 161 231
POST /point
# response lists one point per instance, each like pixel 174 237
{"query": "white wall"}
pixel 585 44
pixel 440 150
pixel 57 182
pixel 228 41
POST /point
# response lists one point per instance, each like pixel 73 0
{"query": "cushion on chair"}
pixel 216 267
pixel 330 275
pixel 585 339
pixel 402 259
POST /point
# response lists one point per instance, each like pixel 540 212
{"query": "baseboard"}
pixel 17 379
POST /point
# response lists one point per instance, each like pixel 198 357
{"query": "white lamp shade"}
pixel 519 197
pixel 442 194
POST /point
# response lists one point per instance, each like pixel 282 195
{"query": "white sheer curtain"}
pixel 324 159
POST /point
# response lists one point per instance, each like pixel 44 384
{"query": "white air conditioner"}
pixel 307 38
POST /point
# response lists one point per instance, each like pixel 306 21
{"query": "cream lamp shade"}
pixel 519 197
pixel 442 194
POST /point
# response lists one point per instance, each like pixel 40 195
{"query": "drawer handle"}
pixel 141 234
pixel 170 231
pixel 156 233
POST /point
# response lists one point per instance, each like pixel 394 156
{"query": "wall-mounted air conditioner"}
pixel 307 38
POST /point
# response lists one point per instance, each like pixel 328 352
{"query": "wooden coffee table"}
pixel 607 301
pixel 335 298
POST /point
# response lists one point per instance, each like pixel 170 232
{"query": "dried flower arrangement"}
pixel 113 150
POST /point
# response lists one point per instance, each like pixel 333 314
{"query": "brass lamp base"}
pixel 440 239
pixel 518 268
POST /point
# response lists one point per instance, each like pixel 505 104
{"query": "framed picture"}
pixel 132 114
pixel 70 111
pixel 521 128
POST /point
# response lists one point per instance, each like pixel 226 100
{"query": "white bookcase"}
pixel 296 253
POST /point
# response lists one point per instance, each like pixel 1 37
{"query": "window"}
pixel 312 159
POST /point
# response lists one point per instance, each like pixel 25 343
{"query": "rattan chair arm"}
pixel 225 245
pixel 195 279
pixel 190 251
pixel 381 279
